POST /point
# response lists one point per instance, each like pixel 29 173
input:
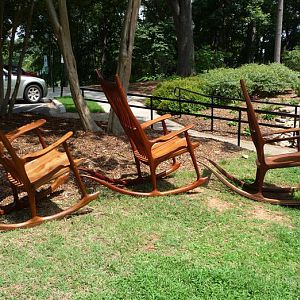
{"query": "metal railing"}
pixel 213 105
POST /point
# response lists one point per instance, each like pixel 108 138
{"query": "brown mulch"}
pixel 110 154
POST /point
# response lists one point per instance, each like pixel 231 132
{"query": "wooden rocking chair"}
pixel 256 190
pixel 31 171
pixel 149 152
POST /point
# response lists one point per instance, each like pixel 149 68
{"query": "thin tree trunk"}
pixel 125 56
pixel 21 58
pixel 182 16
pixel 278 33
pixel 16 22
pixel 62 32
pixel 127 42
pixel 247 53
pixel 1 55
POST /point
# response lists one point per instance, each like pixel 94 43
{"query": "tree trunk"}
pixel 125 57
pixel 247 53
pixel 278 32
pixel 62 33
pixel 15 24
pixel 21 58
pixel 182 15
pixel 1 53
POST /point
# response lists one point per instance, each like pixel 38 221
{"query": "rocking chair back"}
pixel 256 134
pixel 117 98
pixel 10 161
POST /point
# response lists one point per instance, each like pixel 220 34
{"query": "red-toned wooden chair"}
pixel 149 152
pixel 256 190
pixel 33 170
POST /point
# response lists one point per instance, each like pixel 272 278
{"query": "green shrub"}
pixel 166 89
pixel 297 89
pixel 260 79
pixel 292 59
pixel 207 59
pixel 269 79
pixel 224 82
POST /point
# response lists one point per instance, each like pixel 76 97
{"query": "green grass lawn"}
pixel 68 103
pixel 210 244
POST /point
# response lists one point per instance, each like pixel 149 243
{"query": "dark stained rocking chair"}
pixel 256 190
pixel 149 152
pixel 33 170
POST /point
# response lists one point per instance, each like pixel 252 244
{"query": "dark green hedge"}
pixel 260 80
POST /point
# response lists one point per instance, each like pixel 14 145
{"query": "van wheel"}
pixel 33 93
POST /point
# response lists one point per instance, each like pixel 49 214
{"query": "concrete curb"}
pixel 59 106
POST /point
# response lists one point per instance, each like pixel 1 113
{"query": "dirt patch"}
pixel 219 205
pixel 145 87
pixel 150 245
pixel 261 213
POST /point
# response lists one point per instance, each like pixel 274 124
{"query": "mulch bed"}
pixel 220 127
pixel 110 154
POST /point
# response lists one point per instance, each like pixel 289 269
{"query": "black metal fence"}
pixel 212 103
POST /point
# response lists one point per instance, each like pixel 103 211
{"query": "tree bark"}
pixel 182 16
pixel 125 56
pixel 15 24
pixel 62 32
pixel 21 58
pixel 247 53
pixel 1 53
pixel 278 32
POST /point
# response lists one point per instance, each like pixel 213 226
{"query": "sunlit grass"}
pixel 69 105
pixel 208 244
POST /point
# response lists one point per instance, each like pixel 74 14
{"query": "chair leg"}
pixel 153 179
pixel 138 167
pixel 259 179
pixel 32 202
pixel 73 167
pixel 192 153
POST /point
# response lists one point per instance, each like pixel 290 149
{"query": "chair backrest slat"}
pixel 11 162
pixel 117 98
pixel 253 124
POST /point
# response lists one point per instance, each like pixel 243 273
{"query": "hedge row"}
pixel 260 79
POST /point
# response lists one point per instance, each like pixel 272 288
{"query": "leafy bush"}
pixel 292 59
pixel 297 89
pixel 269 79
pixel 206 59
pixel 166 89
pixel 224 82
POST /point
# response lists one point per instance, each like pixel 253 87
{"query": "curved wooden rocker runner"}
pixel 257 191
pixel 31 171
pixel 149 152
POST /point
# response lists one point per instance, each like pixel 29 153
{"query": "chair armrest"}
pixel 150 122
pixel 171 135
pixel 282 131
pixel 26 128
pixel 39 153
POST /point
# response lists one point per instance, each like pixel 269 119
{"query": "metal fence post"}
pixel 151 110
pixel 239 128
pixel 179 96
pixel 212 114
pixel 295 117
